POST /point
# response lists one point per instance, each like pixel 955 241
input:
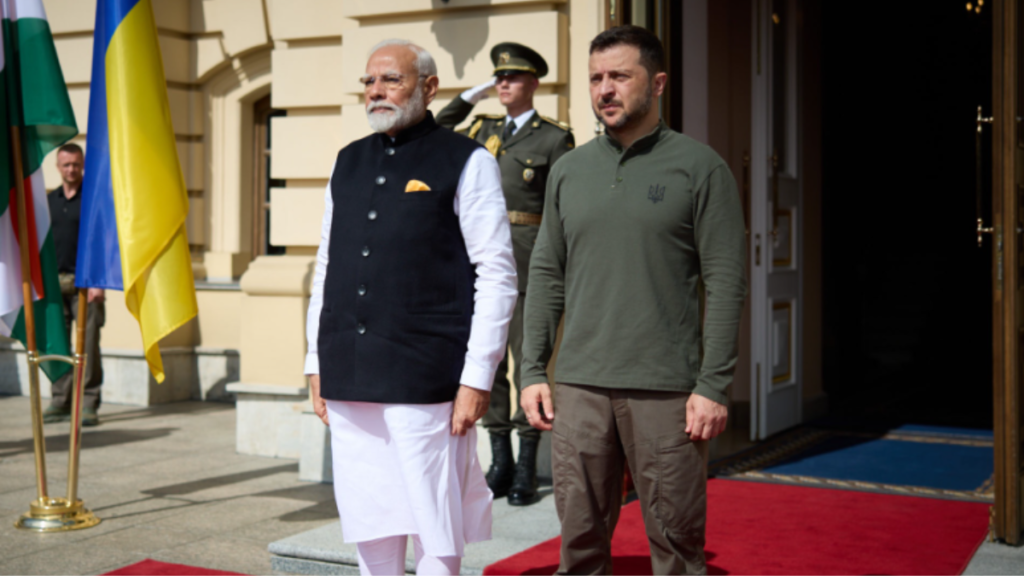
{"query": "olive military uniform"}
pixel 525 159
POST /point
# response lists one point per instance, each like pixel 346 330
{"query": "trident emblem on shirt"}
pixel 656 193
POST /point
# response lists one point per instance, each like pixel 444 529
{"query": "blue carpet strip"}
pixel 910 460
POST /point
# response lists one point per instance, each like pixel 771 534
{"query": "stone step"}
pixel 515 528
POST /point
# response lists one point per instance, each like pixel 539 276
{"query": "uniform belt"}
pixel 524 218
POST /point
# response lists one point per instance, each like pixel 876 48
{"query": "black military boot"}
pixel 499 475
pixel 524 486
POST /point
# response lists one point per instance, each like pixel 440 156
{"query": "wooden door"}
pixel 776 225
pixel 1007 273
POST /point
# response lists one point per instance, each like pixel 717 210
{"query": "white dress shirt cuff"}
pixel 477 377
pixel 312 363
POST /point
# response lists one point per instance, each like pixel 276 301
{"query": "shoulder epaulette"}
pixel 475 128
pixel 561 125
pixel 490 116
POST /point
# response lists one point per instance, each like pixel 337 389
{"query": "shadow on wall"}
pixel 462 42
pixel 218 390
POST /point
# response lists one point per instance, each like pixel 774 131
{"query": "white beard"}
pixel 399 117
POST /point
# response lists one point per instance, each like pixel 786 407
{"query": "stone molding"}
pixel 270 389
pixel 279 276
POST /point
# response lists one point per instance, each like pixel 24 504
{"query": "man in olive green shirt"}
pixel 633 223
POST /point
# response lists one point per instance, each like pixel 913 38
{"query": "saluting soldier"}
pixel 526 145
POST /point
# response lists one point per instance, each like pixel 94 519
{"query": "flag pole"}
pixel 76 398
pixel 48 514
pixel 38 440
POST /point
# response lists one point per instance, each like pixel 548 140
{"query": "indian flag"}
pixel 33 96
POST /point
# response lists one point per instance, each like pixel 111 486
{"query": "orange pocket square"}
pixel 416 186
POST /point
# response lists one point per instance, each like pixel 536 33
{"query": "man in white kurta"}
pixel 414 287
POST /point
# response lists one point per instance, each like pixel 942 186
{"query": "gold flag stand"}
pixel 46 513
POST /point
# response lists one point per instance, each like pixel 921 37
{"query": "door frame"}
pixel 1006 257
pixel 767 274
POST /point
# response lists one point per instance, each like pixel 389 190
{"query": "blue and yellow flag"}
pixel 134 202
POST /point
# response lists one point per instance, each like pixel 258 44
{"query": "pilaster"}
pixel 273 392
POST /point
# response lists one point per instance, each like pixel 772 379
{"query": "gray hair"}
pixel 424 61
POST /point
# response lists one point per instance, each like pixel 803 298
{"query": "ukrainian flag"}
pixel 134 202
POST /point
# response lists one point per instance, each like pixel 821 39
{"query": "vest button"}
pixel 361 329
pixel 362 289
pixel 389 151
pixel 381 180
pixel 372 215
pixel 366 251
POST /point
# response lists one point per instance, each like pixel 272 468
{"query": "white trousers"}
pixel 399 471
pixel 386 557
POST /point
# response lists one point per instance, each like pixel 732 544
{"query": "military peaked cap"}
pixel 512 58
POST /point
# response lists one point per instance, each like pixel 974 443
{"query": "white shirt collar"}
pixel 520 120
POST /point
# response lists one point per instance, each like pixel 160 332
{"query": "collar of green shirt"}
pixel 641 144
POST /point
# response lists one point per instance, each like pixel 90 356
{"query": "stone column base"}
pixel 269 419
pixel 191 374
pixel 315 462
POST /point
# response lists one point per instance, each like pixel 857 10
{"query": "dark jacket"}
pixel 398 295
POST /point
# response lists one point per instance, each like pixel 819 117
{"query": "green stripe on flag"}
pixel 35 95
pixel 51 327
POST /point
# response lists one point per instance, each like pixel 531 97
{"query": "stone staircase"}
pixel 516 528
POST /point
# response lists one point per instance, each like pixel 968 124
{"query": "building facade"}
pixel 264 93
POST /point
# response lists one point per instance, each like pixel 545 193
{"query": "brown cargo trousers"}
pixel 596 432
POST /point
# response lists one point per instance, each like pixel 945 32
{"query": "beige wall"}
pixel 221 56
pixel 325 110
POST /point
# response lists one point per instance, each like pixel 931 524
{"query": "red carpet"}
pixel 152 567
pixel 756 528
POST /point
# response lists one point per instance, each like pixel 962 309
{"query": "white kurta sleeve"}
pixel 483 217
pixel 316 297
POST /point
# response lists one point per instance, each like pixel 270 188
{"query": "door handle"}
pixel 982 120
pixel 981 229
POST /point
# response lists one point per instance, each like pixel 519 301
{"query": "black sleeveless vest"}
pixel 398 296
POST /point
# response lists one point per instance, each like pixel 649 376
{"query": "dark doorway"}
pixel 907 291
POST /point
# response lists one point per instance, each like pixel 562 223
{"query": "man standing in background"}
pixel 526 145
pixel 65 209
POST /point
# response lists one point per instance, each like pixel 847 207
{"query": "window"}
pixel 262 182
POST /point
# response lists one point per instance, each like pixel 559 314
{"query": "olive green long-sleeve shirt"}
pixel 626 239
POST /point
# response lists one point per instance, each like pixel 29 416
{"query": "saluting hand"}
pixel 470 405
pixel 319 406
pixel 478 93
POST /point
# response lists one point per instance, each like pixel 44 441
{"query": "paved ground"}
pixel 168 485
pixel 994 558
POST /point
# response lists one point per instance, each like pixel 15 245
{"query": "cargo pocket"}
pixel 680 492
